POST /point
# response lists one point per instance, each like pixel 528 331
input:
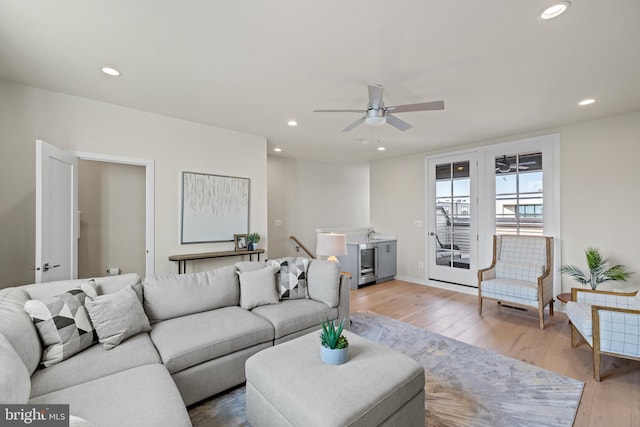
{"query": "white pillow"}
pixel 117 316
pixel 258 288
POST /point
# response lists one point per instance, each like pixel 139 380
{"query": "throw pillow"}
pixel 244 266
pixel 63 324
pixel 258 288
pixel 117 316
pixel 291 277
pixel 324 282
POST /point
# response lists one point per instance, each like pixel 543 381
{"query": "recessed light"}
pixel 110 71
pixel 587 101
pixel 292 123
pixel 555 10
pixel 381 148
pixel 277 150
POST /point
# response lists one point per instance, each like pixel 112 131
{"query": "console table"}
pixel 182 259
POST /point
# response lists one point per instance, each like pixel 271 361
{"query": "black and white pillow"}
pixel 63 324
pixel 291 277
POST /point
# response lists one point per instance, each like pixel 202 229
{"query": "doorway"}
pixel 111 211
pixel 59 262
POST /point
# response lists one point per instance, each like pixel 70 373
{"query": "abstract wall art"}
pixel 214 207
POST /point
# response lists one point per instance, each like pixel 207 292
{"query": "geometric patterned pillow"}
pixel 292 277
pixel 63 324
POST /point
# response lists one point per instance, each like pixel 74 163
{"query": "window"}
pixel 519 194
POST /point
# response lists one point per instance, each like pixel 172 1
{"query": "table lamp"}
pixel 331 245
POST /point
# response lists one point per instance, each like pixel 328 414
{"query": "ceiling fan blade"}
pixel 354 124
pixel 375 96
pixel 423 106
pixel 397 123
pixel 339 111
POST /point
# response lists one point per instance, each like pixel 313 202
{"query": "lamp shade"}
pixel 330 244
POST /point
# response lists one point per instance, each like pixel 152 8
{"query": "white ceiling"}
pixel 254 65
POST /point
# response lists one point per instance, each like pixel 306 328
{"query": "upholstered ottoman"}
pixel 288 385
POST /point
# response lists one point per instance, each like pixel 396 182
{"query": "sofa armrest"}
pixel 603 298
pixel 344 304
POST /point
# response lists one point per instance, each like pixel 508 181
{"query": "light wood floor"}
pixel 613 402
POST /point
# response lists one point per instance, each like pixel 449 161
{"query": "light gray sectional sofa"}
pixel 204 326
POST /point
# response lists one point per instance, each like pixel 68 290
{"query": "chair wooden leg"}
pixel 551 308
pixel 596 364
pixel 479 305
pixel 574 335
pixel 541 315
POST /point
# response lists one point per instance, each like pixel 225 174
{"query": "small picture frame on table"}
pixel 240 242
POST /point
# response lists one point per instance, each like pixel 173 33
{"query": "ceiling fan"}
pixel 504 165
pixel 377 114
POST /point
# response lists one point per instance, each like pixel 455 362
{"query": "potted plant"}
pixel 252 241
pixel 599 271
pixel 334 348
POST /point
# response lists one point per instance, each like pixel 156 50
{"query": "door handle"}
pixel 431 233
pixel 48 267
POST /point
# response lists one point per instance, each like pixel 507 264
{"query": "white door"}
pixel 56 213
pixel 452 212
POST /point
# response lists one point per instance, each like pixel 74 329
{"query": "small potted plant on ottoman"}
pixel 334 348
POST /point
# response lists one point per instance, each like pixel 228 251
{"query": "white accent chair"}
pixel 608 321
pixel 520 274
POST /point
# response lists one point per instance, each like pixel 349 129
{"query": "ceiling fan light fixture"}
pixel 375 117
pixel 555 10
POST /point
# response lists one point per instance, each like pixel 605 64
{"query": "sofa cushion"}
pixel 190 340
pixel 95 362
pixel 105 285
pixel 117 316
pixel 166 297
pixel 258 288
pixel 291 316
pixel 63 324
pixel 511 289
pixel 15 384
pixel 323 282
pixel 142 396
pixel 18 328
pixel 291 277
pixel 525 271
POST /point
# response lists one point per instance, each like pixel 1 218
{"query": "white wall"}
pixel 27 114
pixel 600 200
pixel 306 195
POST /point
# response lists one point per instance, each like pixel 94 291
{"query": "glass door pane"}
pixel 451 225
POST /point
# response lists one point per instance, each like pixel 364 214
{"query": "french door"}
pixel 452 217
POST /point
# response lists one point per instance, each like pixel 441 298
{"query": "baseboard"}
pixel 440 285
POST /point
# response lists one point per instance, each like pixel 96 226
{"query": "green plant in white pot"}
pixel 334 348
pixel 599 270
pixel 252 241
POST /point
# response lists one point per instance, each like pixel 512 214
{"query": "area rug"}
pixel 465 385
